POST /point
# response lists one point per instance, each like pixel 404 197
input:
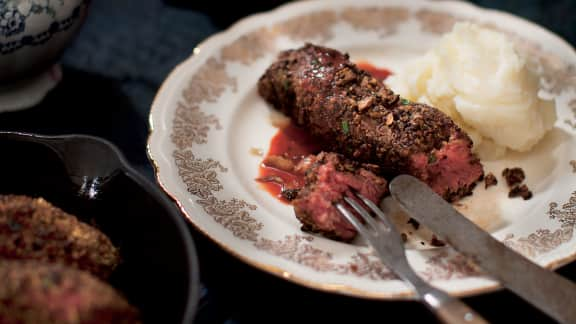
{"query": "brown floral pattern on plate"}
pixel 545 240
pixel 191 125
pixel 435 22
pixel 447 264
pixel 208 83
pixel 385 20
pixel 250 47
pixel 199 175
pixel 314 26
pixel 201 180
pixel 297 248
pixel 234 215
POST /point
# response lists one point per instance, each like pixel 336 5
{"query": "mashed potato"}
pixel 476 77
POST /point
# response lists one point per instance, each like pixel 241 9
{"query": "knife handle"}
pixel 451 310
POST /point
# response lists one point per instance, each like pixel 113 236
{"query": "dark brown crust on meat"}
pixel 32 228
pixel 35 292
pixel 355 114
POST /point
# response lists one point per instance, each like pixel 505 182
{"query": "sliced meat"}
pixel 330 178
pixel 354 114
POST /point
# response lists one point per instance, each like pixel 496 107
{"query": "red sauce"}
pixel 295 144
pixel 379 73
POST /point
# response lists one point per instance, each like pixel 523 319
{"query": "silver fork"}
pixel 385 239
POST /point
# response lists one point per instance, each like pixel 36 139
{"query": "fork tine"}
pixel 363 212
pixel 376 210
pixel 353 220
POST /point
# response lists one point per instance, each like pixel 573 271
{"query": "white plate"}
pixel 207 117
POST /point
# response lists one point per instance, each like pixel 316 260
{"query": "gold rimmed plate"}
pixel 207 120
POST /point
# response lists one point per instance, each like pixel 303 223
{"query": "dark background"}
pixel 111 73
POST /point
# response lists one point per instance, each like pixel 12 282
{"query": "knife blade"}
pixel 546 290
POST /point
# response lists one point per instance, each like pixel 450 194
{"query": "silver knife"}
pixel 546 290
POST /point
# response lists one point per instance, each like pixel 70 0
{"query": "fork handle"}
pixel 455 311
pixel 451 310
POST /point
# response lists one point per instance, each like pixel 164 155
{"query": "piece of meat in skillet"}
pixel 34 229
pixel 329 179
pixel 353 113
pixel 35 292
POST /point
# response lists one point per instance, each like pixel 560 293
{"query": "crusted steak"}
pixel 36 292
pixel 353 113
pixel 328 180
pixel 34 229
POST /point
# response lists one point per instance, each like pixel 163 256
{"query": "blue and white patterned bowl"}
pixel 33 34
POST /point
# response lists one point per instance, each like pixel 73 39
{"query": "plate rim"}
pixel 342 289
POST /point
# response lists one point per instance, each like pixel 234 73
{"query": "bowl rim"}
pixel 10 44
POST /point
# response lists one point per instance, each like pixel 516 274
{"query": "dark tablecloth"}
pixel 111 73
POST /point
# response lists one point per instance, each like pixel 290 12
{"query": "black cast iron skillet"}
pixel 88 177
